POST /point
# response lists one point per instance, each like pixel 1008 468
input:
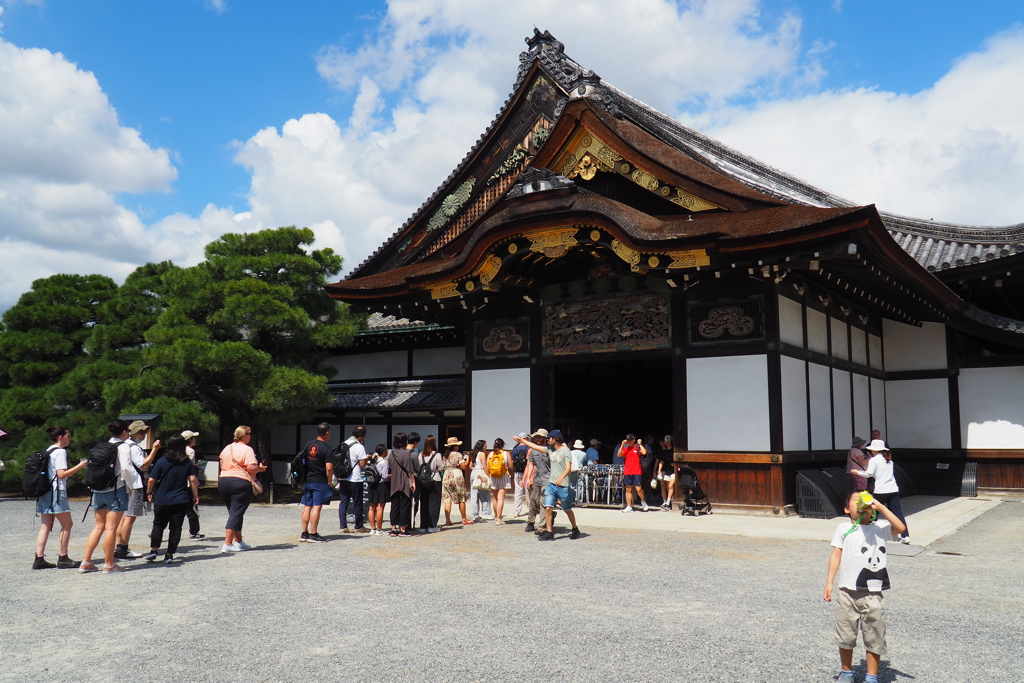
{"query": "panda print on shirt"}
pixel 863 565
pixel 874 576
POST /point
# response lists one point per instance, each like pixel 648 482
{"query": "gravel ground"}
pixel 490 602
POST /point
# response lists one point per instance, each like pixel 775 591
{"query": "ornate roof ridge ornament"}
pixel 534 180
pixel 589 85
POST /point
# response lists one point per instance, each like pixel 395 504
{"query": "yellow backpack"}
pixel 496 464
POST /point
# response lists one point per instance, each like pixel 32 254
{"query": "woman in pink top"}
pixel 238 469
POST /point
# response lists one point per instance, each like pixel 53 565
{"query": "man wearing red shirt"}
pixel 632 475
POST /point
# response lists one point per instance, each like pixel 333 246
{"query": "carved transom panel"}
pixel 726 321
pixel 629 323
pixel 729 318
pixel 502 338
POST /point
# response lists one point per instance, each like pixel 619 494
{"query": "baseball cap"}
pixel 137 426
pixel 553 432
pixel 189 434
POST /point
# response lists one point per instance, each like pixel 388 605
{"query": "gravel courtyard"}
pixel 490 602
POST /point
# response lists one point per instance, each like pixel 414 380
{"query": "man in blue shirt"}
pixel 592 454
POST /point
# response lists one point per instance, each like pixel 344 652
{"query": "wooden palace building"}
pixel 596 266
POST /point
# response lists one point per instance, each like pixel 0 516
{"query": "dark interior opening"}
pixel 607 399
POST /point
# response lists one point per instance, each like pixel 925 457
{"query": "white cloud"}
pixel 952 152
pixel 432 76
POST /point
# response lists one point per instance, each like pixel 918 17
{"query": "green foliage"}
pixel 240 338
pixel 42 338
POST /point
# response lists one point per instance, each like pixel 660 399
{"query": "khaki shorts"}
pixel 864 611
pixel 136 503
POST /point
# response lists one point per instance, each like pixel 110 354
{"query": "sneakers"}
pixel 362 530
pixel 197 537
pixel 499 521
pixel 434 529
pixel 346 530
pixel 304 537
pixel 316 538
pixel 233 548
pixel 65 562
pixel 575 534
pixel 905 540
pixel 87 567
pixel 546 536
pixel 41 563
pixel 666 506
pixel 111 568
pixel 845 677
pixel 644 503
pixel 150 556
pixel 529 527
pixel 121 552
pixel 169 559
pixel 628 508
pixel 242 545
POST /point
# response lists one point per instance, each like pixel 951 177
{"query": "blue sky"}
pixel 345 115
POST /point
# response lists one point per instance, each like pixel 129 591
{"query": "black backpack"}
pixel 342 461
pixel 298 468
pixel 425 475
pixel 520 455
pixel 100 473
pixel 36 481
pixel 373 477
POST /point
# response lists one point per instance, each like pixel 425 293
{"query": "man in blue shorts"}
pixel 317 490
pixel 557 490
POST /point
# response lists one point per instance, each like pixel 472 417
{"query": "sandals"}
pixel 88 567
pixel 467 522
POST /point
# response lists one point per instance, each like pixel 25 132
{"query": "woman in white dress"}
pixel 479 484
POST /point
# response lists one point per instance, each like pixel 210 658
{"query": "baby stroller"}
pixel 695 501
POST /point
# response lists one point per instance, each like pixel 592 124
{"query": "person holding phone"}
pixel 630 450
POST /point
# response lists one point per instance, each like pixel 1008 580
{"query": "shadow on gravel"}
pixel 887 674
pixel 275 546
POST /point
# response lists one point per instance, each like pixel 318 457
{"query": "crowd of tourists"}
pixel 413 477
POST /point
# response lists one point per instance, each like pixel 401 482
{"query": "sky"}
pixel 134 132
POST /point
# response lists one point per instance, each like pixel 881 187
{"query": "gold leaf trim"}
pixel 690 258
pixel 626 254
pixel 553 240
pixel 488 270
pixel 444 291
pixel 692 202
pixel 585 144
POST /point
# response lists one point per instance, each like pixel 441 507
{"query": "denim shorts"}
pixel 632 480
pixel 115 501
pixel 53 503
pixel 315 495
pixel 558 494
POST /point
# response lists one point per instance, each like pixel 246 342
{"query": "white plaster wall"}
pixel 375 434
pixel 444 361
pixel 875 352
pixel 794 404
pixel 821 406
pixel 917 413
pixel 422 430
pixel 858 345
pixel 842 409
pixel 501 403
pixel 817 331
pixel 370 365
pixel 914 348
pixel 791 321
pixel 992 407
pixel 727 406
pixel 840 344
pixel 877 407
pixel 861 406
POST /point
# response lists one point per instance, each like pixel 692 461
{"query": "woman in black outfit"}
pixel 403 483
pixel 430 495
pixel 173 489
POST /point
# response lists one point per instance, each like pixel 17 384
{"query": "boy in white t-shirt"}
pixel 858 568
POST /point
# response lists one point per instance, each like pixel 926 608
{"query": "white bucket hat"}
pixel 877 445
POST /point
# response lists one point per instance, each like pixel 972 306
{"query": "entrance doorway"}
pixel 607 399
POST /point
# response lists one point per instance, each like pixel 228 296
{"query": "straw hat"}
pixel 452 441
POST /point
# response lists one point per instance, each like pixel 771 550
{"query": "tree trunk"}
pixel 263 453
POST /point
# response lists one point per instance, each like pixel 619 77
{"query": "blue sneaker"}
pixel 845 677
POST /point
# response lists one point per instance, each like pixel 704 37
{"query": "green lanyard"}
pixel 860 519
